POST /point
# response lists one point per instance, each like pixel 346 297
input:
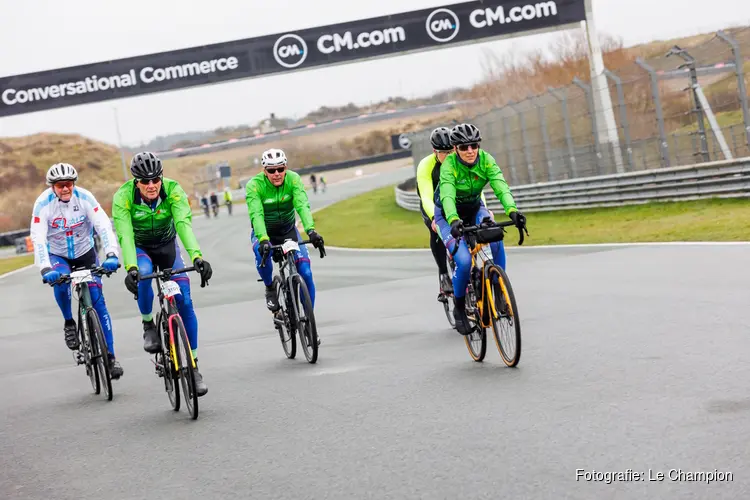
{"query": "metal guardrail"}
pixel 365 160
pixel 9 238
pixel 722 179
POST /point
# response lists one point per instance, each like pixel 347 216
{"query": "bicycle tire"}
pixel 92 370
pixel 511 357
pixel 308 331
pixel 286 332
pixel 99 352
pixel 168 369
pixel 476 341
pixel 186 369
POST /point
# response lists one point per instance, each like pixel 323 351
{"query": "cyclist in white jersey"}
pixel 62 227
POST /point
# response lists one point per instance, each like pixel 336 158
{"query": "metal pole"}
pixel 698 110
pixel 739 69
pixel 623 119
pixel 659 116
pixel 511 160
pixel 125 172
pixel 568 135
pixel 545 139
pixel 587 90
pixel 524 139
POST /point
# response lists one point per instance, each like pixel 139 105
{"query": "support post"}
pixel 605 116
pixel 563 98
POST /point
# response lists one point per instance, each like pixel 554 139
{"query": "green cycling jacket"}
pixel 461 186
pixel 428 178
pixel 137 224
pixel 271 209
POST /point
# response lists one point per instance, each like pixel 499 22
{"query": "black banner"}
pixel 339 43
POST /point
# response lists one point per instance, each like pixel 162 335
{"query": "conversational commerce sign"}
pixel 385 36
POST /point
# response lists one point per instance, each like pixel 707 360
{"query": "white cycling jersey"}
pixel 66 229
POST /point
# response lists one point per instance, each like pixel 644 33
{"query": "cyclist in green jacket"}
pixel 149 213
pixel 463 176
pixel 272 198
pixel 428 178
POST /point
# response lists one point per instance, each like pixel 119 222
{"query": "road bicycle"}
pixel 175 362
pixel 92 351
pixel 295 314
pixel 490 300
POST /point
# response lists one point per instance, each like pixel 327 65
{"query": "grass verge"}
pixel 13 263
pixel 373 220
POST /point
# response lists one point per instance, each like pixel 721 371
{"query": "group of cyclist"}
pixel 151 211
pixel 210 202
pixel 450 184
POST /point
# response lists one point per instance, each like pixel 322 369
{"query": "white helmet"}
pixel 273 158
pixel 61 172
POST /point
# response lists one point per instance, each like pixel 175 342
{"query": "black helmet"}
pixel 465 133
pixel 145 165
pixel 440 139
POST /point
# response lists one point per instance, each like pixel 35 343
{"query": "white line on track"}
pixel 583 245
pixel 11 273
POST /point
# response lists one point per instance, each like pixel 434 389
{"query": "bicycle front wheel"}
pixel 308 332
pixel 476 341
pixel 186 368
pixel 165 363
pixel 281 321
pixel 86 350
pixel 99 352
pixel 506 324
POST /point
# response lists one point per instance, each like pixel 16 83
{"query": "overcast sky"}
pixel 38 35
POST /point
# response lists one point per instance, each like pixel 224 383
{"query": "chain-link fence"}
pixel 663 112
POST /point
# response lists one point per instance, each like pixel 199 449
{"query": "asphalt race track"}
pixel 634 357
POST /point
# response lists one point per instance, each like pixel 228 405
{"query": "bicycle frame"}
pixel 485 294
pixel 167 291
pixel 79 280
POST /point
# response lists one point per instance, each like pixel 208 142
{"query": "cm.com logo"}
pixel 290 51
pixel 442 25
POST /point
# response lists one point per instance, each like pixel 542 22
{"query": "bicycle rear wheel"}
pixel 308 332
pixel 447 299
pixel 186 366
pixel 99 352
pixel 476 341
pixel 165 363
pixel 506 324
pixel 281 321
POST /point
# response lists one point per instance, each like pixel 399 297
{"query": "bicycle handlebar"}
pixel 165 273
pixel 490 224
pixel 322 250
pixel 95 270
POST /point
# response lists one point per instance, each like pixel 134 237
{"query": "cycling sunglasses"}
pixel 273 170
pixel 64 184
pixel 466 147
pixel 146 182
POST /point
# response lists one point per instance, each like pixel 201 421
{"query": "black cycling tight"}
pixel 438 252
